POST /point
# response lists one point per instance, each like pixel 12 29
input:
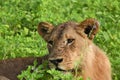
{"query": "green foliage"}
pixel 19 20
pixel 43 73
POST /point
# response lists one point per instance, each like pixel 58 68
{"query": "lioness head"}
pixel 67 42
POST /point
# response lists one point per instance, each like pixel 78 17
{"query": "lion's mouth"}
pixel 60 69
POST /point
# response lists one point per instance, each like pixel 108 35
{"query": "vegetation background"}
pixel 19 20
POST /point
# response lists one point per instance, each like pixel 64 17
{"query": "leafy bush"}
pixel 19 20
pixel 43 73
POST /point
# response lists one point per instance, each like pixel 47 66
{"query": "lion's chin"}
pixel 60 68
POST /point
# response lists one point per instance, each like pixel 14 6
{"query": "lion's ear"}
pixel 90 27
pixel 44 29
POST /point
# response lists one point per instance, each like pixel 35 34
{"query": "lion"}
pixel 11 68
pixel 71 49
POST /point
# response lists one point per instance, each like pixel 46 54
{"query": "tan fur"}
pixel 10 68
pixel 70 47
pixel 70 44
pixel 3 78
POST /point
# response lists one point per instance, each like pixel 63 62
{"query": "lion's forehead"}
pixel 63 30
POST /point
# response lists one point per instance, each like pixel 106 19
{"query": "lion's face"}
pixel 64 46
pixel 67 42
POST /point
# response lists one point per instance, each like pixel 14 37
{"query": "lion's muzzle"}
pixel 56 61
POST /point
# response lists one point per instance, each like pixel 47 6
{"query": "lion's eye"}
pixel 50 43
pixel 69 41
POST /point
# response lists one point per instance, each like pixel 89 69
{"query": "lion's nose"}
pixel 56 61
